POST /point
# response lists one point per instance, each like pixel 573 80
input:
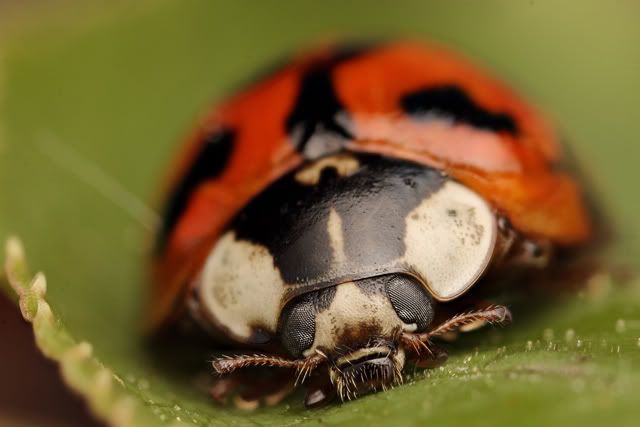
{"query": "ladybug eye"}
pixel 410 301
pixel 298 327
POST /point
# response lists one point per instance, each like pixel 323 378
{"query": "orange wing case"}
pixel 518 169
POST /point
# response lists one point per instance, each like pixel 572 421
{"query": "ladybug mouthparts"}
pixel 367 370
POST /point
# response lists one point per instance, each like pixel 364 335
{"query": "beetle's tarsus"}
pixel 222 388
pixel 437 358
pixel 248 391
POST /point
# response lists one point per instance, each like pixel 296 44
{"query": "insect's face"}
pixel 358 325
pixel 367 369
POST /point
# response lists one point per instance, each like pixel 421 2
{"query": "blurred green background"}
pixel 100 94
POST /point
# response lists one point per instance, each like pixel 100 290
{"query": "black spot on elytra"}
pixel 453 103
pixel 208 164
pixel 317 106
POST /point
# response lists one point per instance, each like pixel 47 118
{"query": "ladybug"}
pixel 326 220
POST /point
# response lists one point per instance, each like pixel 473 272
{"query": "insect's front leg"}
pixel 249 389
pixel 434 358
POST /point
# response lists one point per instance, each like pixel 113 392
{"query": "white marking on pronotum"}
pixel 344 165
pixel 240 286
pixel 88 172
pixel 450 239
pixel 336 236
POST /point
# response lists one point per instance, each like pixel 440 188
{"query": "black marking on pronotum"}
pixel 208 164
pixel 317 106
pixel 372 285
pixel 452 102
pixel 323 298
pixel 291 219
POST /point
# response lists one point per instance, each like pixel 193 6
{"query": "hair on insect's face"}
pixel 357 325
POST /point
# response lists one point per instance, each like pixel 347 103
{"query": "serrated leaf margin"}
pixel 80 369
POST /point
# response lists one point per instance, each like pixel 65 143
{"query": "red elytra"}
pixel 519 173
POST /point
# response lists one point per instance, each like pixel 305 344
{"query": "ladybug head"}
pixel 354 338
pixel 357 326
pixel 350 335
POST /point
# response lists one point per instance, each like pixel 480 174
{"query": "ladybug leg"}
pixel 279 393
pixel 436 357
pixel 320 391
pixel 250 390
pixel 517 251
pixel 268 390
pixel 224 387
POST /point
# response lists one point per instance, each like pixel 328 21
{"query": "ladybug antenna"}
pixel 493 314
pixel 228 364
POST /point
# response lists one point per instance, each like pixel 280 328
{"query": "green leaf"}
pixel 94 101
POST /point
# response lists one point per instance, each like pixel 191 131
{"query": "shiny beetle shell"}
pixel 437 135
pixel 383 217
